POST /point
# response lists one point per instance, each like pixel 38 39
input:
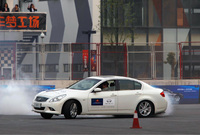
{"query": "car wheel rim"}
pixel 73 110
pixel 145 108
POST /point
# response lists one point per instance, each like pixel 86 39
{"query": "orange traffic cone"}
pixel 136 121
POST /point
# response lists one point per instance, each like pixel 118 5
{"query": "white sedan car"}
pixel 101 95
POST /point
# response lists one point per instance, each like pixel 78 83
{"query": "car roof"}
pixel 107 77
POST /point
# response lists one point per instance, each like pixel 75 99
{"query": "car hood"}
pixel 57 92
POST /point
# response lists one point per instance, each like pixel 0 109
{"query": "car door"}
pixel 128 95
pixel 105 101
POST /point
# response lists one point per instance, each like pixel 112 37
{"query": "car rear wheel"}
pixel 177 98
pixel 70 110
pixel 145 109
pixel 46 115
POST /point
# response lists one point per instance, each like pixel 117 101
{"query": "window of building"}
pixel 66 67
pixel 27 68
pixel 66 47
pixel 197 67
pixel 155 13
pixel 140 36
pixel 40 67
pixel 77 67
pixel 195 33
pixel 24 47
pixel 169 16
pixel 183 13
pixel 2 3
pixel 186 67
pixel 52 47
pixel 195 13
pixel 140 12
pixel 79 47
pixel 117 13
pixel 155 35
pixel 49 68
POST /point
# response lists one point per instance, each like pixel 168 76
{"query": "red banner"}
pixel 85 60
pixel 93 60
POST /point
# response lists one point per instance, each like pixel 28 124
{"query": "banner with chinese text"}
pixel 22 21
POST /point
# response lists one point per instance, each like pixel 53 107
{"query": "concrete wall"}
pixel 65 83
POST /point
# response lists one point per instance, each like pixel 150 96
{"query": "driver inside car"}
pixel 104 86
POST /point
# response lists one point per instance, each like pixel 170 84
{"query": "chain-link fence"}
pixel 50 61
pixel 189 60
pixel 65 61
pixel 153 60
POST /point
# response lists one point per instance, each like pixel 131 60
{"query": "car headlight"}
pixel 58 98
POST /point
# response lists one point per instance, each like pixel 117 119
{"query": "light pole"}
pixel 42 35
pixel 89 32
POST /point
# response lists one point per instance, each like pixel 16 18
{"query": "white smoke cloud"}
pixel 170 106
pixel 16 98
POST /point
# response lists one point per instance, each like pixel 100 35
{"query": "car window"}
pixel 138 86
pixel 84 84
pixel 108 85
pixel 129 85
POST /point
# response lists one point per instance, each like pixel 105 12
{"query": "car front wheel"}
pixel 46 115
pixel 70 110
pixel 145 109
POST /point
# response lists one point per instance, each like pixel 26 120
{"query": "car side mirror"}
pixel 97 90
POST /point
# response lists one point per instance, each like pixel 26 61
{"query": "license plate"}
pixel 37 105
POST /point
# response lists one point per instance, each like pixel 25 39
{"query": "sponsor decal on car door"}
pixel 105 100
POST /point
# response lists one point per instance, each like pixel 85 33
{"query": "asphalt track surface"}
pixel 184 120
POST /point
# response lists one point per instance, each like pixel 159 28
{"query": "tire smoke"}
pixel 16 98
pixel 170 106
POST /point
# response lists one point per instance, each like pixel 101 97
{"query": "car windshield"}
pixel 84 84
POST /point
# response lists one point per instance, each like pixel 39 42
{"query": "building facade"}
pixel 163 23
pixel 66 21
pixel 142 27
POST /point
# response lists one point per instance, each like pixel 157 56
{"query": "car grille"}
pixel 41 99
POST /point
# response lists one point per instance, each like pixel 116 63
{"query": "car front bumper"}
pixel 47 107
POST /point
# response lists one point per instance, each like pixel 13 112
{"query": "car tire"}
pixel 70 109
pixel 177 98
pixel 46 115
pixel 145 109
